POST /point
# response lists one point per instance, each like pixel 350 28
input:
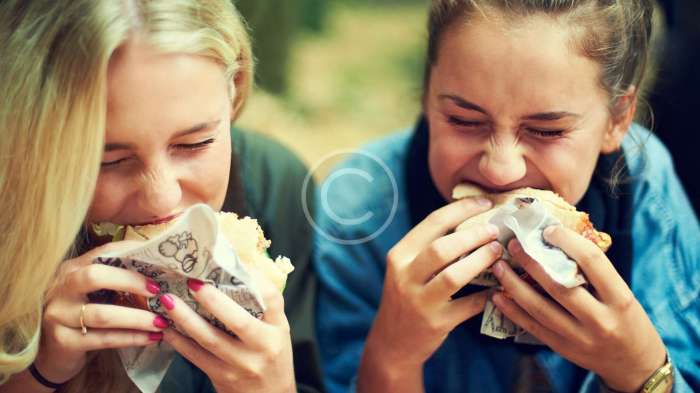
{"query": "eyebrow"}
pixel 192 130
pixel 544 116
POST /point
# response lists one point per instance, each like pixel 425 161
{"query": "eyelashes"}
pixel 545 133
pixel 479 125
pixel 195 146
pixel 185 147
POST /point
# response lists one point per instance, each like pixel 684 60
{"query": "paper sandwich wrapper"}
pixel 217 248
pixel 524 214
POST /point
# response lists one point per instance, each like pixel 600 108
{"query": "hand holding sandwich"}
pixel 258 359
pixel 417 310
pixel 72 326
pixel 605 330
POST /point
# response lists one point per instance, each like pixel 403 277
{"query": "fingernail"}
pixel 497 299
pixel 155 336
pixel 194 284
pixel 495 247
pixel 515 246
pixel 167 301
pixel 549 230
pixel 498 269
pixel 152 287
pixel 483 202
pixel 160 322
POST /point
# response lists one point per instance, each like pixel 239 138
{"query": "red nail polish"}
pixel 152 287
pixel 167 301
pixel 155 336
pixel 194 284
pixel 160 322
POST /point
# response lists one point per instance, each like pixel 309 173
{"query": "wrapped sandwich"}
pixel 524 214
pixel 243 235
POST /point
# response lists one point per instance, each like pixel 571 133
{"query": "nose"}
pixel 161 192
pixel 502 163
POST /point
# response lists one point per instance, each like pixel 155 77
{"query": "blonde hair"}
pixel 54 56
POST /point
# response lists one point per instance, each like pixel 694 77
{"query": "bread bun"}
pixel 555 204
pixel 246 237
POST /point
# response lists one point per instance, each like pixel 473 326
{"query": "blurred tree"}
pixel 274 25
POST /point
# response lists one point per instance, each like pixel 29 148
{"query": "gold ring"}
pixel 82 319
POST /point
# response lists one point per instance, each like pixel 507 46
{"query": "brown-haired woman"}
pixel 536 93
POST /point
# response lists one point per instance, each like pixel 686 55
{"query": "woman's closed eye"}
pixel 114 162
pixel 545 133
pixel 464 123
pixel 195 146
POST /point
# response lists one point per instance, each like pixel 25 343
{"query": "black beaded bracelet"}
pixel 40 378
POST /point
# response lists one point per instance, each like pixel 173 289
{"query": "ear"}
pixel 620 121
pixel 235 105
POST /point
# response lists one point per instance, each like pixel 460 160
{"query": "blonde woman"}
pixel 175 76
pixel 52 111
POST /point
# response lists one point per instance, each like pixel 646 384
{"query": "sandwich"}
pixel 557 209
pixel 567 214
pixel 244 234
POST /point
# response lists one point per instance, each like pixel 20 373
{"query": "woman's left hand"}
pixel 259 359
pixel 605 330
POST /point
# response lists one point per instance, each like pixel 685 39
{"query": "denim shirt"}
pixel 363 212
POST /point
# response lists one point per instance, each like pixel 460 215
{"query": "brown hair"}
pixel 614 33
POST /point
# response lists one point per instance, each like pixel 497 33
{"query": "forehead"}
pixel 151 90
pixel 531 59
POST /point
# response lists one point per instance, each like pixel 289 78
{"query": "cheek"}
pixel 568 167
pixel 111 193
pixel 449 154
pixel 208 175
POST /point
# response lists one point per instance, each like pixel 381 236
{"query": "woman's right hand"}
pixel 62 353
pixel 417 310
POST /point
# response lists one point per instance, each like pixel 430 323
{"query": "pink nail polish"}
pixel 194 284
pixel 160 322
pixel 155 336
pixel 167 301
pixel 152 287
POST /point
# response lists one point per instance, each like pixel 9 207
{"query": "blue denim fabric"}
pixel 665 275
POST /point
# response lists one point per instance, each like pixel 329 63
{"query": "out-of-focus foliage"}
pixel 355 79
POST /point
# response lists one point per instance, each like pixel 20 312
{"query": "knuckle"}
pixel 591 254
pixel 394 258
pixel 271 353
pixel 111 340
pixel 587 343
pixel 209 341
pixel 255 369
pixel 229 379
pixel 97 317
pixel 435 251
pixel 451 279
pixel 435 326
pixel 275 300
pixel 607 329
pixel 438 218
pixel 90 273
pixel 626 302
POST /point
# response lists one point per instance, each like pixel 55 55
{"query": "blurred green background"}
pixel 333 74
